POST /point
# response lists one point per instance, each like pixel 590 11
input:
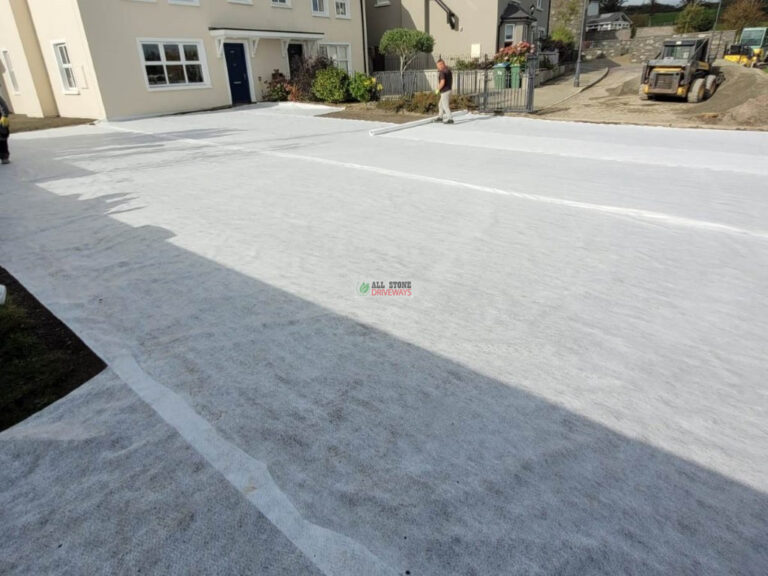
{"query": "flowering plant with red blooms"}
pixel 514 53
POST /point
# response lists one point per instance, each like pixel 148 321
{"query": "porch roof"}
pixel 253 33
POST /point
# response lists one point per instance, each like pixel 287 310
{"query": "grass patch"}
pixel 22 123
pixel 41 359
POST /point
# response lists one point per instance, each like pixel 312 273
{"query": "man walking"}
pixel 444 86
pixel 4 131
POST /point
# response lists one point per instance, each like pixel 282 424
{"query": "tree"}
pixel 743 13
pixel 567 14
pixel 694 18
pixel 406 44
pixel 612 5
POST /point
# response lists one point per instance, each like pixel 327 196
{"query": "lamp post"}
pixel 577 75
pixel 712 36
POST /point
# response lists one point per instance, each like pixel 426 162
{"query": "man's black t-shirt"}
pixel 446 75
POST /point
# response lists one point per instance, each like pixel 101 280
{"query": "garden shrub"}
pixel 391 104
pixel 566 51
pixel 462 102
pixel 305 75
pixel 423 103
pixel 562 34
pixel 471 64
pixel 364 88
pixel 331 85
pixel 278 89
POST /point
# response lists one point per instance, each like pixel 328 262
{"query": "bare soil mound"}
pixel 740 86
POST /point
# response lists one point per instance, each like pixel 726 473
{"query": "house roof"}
pixel 608 17
pixel 514 11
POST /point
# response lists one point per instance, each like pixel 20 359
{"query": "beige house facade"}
pixel 120 59
pixel 460 29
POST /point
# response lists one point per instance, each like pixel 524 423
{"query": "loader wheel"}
pixel 642 94
pixel 696 93
pixel 710 86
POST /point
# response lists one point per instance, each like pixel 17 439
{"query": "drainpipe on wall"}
pixel 365 37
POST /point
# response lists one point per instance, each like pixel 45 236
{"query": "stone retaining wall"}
pixel 646 47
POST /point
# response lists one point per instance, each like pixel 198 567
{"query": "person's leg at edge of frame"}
pixel 445 107
pixel 4 153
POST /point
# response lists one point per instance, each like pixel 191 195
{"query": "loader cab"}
pixel 757 40
pixel 693 50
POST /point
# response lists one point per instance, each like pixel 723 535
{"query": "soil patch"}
pixel 739 103
pixel 373 114
pixel 21 123
pixel 41 360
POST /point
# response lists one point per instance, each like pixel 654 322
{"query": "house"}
pixel 608 22
pixel 461 29
pixel 128 58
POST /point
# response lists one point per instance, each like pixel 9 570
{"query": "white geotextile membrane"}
pixel 574 386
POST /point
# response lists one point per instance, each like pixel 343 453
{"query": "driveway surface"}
pixel 574 384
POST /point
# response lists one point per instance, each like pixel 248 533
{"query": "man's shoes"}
pixel 439 120
pixel 449 121
pixel 5 161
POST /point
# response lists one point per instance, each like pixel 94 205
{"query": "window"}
pixel 319 8
pixel 509 33
pixel 11 72
pixel 281 3
pixel 540 4
pixel 380 3
pixel 185 2
pixel 173 64
pixel 65 68
pixel 338 54
pixel 342 8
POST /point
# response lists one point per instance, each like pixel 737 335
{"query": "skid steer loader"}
pixel 682 69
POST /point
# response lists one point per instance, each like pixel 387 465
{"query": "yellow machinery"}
pixel 682 69
pixel 752 49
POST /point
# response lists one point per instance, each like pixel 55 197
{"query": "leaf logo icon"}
pixel 364 287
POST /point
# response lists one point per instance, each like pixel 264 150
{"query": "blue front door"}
pixel 238 73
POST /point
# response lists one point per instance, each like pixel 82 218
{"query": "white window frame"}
pixel 281 3
pixel 170 87
pixel 244 2
pixel 324 13
pixel 65 85
pixel 348 68
pixel 185 2
pixel 511 37
pixel 348 7
pixel 10 70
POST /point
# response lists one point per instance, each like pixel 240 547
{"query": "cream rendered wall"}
pixel 17 35
pixel 59 21
pixel 478 22
pixel 113 27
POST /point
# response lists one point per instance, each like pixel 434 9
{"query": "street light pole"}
pixel 577 75
pixel 712 36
